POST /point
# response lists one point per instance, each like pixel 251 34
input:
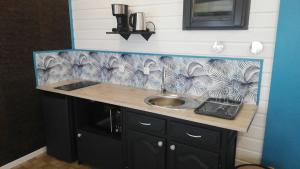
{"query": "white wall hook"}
pixel 256 47
pixel 218 47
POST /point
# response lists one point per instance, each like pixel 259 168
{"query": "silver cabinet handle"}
pixel 172 147
pixel 145 124
pixel 194 136
pixel 79 135
pixel 160 143
pixel 110 121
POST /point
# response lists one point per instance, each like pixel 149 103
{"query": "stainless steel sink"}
pixel 172 102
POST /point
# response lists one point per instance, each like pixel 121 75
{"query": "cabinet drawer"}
pixel 146 124
pixel 194 135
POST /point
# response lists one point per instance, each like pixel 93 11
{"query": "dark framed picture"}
pixel 216 14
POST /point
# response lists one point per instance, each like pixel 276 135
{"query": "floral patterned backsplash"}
pixel 200 76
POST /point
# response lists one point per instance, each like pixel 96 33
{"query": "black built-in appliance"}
pixel 99 134
pixel 215 14
pixel 109 120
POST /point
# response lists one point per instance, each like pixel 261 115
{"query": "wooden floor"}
pixel 46 162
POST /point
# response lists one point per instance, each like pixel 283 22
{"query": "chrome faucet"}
pixel 163 89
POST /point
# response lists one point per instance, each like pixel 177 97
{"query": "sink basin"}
pixel 164 101
pixel 172 102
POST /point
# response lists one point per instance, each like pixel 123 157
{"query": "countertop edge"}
pixel 182 117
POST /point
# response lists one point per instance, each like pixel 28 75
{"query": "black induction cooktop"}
pixel 77 85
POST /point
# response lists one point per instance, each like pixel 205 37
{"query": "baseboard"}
pixel 24 158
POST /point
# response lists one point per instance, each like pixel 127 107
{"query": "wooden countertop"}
pixel 134 98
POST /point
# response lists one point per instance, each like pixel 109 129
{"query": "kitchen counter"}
pixel 134 98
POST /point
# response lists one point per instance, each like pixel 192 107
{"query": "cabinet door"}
pixel 185 157
pixel 58 124
pixel 99 151
pixel 145 151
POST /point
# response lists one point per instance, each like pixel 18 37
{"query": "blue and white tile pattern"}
pixel 221 78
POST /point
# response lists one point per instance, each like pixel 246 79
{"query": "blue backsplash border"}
pixel 260 61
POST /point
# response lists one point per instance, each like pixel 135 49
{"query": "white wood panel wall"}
pixel 92 18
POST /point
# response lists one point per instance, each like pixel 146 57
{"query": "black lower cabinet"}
pixel 186 157
pixel 99 134
pixel 176 144
pixel 145 151
pixel 60 139
pixel 110 137
pixel 99 151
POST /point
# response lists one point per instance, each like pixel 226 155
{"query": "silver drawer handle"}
pixel 194 136
pixel 145 124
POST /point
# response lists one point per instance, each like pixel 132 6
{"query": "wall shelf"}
pixel 145 34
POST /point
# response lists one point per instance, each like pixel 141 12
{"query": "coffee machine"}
pixel 120 11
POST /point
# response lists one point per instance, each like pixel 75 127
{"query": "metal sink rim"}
pixel 189 103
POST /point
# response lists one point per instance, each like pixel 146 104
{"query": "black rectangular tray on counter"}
pixel 222 108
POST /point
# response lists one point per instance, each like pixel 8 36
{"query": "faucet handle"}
pixel 163 78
